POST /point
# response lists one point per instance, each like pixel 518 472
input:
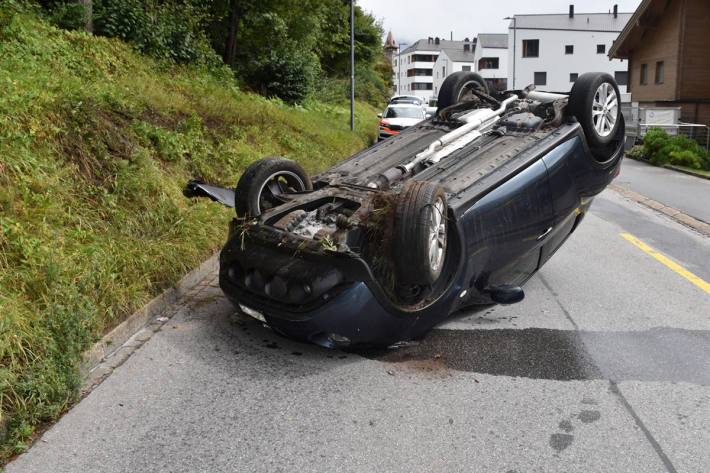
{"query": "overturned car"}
pixel 459 210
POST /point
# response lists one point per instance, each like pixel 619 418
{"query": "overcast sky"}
pixel 410 20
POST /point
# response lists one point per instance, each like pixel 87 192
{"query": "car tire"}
pixel 264 181
pixel 456 88
pixel 595 102
pixel 420 233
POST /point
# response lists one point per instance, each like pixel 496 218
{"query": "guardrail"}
pixel 694 131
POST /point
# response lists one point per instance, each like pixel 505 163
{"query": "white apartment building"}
pixel 491 59
pixel 420 69
pixel 455 56
pixel 551 51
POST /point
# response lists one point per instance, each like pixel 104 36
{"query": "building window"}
pixel 395 63
pixel 422 86
pixel 409 59
pixel 497 84
pixel 659 72
pixel 424 57
pixel 569 49
pixel 466 68
pixel 413 72
pixel 541 78
pixel 488 63
pixel 443 71
pixel 531 47
pixel 601 48
pixel 573 76
pixel 621 77
pixel 643 78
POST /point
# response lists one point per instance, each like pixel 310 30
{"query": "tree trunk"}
pixel 230 49
pixel 89 11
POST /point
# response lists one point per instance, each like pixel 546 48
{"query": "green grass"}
pixel 689 169
pixel 96 143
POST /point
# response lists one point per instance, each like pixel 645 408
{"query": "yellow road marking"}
pixel 704 285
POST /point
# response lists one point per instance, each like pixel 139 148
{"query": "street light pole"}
pixel 352 66
pixel 514 44
pixel 399 67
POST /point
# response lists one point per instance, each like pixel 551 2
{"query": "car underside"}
pixel 458 210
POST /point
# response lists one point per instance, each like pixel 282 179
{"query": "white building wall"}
pixel 444 67
pixel 501 54
pixel 405 83
pixel 553 60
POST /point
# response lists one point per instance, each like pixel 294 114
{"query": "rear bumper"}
pixel 353 317
pixel 344 299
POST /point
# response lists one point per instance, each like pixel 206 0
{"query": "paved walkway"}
pixel 689 194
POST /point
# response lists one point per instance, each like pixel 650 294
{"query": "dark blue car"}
pixel 461 209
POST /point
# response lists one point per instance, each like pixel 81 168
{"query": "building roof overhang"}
pixel 646 16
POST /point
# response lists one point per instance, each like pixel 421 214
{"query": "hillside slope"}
pixel 96 143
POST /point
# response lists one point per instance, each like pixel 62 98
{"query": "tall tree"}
pixel 230 47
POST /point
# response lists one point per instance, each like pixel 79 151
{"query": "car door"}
pixel 563 164
pixel 505 228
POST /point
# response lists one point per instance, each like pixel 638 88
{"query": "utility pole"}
pixel 352 66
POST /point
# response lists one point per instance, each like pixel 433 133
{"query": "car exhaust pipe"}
pixel 474 121
pixel 529 92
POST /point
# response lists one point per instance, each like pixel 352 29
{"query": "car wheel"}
pixel 457 88
pixel 420 233
pixel 265 181
pixel 594 102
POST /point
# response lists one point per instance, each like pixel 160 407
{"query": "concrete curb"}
pixel 685 171
pixel 114 341
pixel 675 214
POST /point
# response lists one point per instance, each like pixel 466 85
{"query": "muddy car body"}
pixel 461 209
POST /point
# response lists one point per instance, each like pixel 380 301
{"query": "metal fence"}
pixel 694 131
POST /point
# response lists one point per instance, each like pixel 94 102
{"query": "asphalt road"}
pixel 689 194
pixel 604 367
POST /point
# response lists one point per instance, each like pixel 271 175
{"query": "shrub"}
pixel 68 15
pixel 637 152
pixel 661 148
pixel 169 31
pixel 288 74
pixel 369 88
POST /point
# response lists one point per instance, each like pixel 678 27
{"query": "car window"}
pixel 411 100
pixel 392 112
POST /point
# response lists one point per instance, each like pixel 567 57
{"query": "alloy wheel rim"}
pixel 277 184
pixel 605 109
pixel 466 92
pixel 437 235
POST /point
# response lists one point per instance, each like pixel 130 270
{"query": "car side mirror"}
pixel 379 115
pixel 506 293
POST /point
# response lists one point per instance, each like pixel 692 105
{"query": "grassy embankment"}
pixel 96 143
